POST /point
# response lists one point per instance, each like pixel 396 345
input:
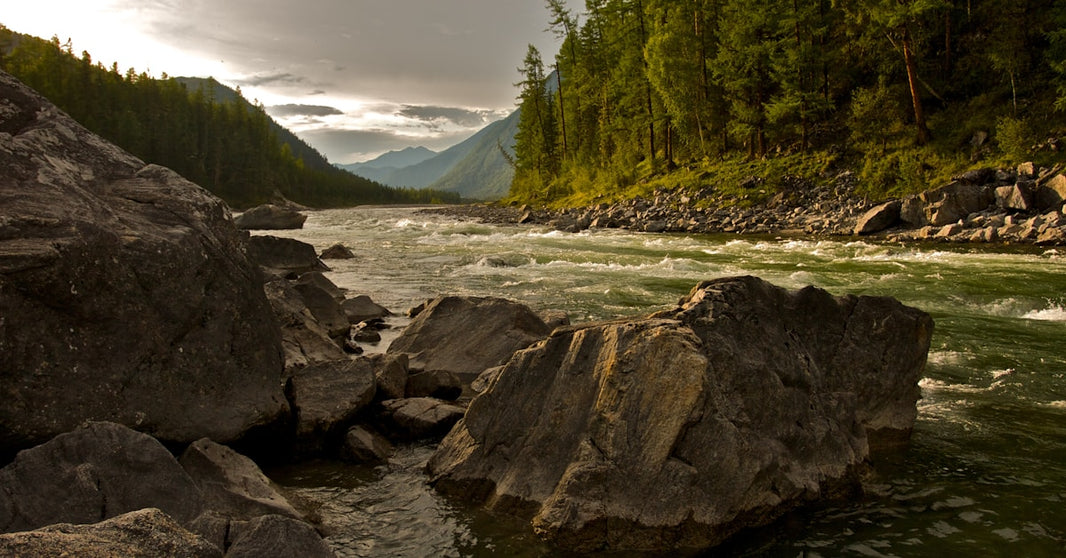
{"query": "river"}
pixel 984 474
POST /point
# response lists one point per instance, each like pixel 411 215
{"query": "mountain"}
pixel 474 168
pixel 393 159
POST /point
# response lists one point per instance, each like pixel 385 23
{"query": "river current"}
pixel 983 475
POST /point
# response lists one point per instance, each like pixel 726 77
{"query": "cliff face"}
pixel 125 290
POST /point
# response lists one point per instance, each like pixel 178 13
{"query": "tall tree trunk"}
pixel 912 81
pixel 647 85
pixel 562 105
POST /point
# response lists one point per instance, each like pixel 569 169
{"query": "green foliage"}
pixel 905 92
pixel 227 145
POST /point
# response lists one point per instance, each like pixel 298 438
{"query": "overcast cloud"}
pixel 353 78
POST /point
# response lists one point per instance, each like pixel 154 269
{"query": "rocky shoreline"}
pixel 1025 205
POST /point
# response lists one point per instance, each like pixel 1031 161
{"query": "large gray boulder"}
pixel 679 429
pixel 92 474
pixel 147 533
pixel 286 257
pixel 304 340
pixel 232 485
pixel 276 536
pixel 327 397
pixel 878 218
pixel 270 217
pixel 946 204
pixel 125 292
pixel 466 335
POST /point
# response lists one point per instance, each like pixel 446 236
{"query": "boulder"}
pixel 879 218
pixel 361 308
pixel 362 445
pixel 327 397
pixel 680 429
pixel 324 307
pixel 337 252
pixel 304 340
pixel 318 279
pixel 1051 194
pixel 233 486
pixel 146 533
pixel 277 537
pixel 440 384
pixel 466 335
pixel 125 291
pixel 91 474
pixel 1016 196
pixel 284 256
pixel 390 374
pixel 419 417
pixel 270 217
pixel 946 204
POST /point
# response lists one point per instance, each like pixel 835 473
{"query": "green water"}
pixel 984 474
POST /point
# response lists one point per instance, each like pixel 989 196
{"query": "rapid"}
pixel 984 473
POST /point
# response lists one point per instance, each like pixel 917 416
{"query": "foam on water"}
pixel 1055 313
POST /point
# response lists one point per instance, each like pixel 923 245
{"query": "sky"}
pixel 353 78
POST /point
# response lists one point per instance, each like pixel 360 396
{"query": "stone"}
pixel 879 218
pixel 948 231
pixel 326 399
pixel 439 384
pixel 145 533
pixel 1053 236
pixel 304 340
pixel 125 293
pixel 555 318
pixel 390 373
pixel 946 204
pixel 277 537
pixel 337 252
pixel 1051 194
pixel 270 217
pixel 318 279
pixel 284 256
pixel 679 429
pixel 362 308
pixel 1027 169
pixel 419 417
pixel 1017 196
pixel 466 335
pixel 91 474
pixel 362 445
pixel 233 486
pixel 324 307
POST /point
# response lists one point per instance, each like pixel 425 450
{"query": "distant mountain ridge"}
pixel 475 168
pixel 395 159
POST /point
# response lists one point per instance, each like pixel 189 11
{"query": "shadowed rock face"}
pixel 126 292
pixel 679 429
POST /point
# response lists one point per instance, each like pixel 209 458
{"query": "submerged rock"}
pixel 125 291
pixel 679 429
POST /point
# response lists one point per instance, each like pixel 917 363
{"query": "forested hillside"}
pixel 903 92
pixel 227 145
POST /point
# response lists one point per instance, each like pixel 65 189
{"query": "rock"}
pixel 270 217
pixel 325 308
pixel 319 280
pixel 948 231
pixel 679 429
pixel 1017 196
pixel 390 373
pixel 361 308
pixel 555 318
pixel 362 445
pixel 233 486
pixel 304 340
pixel 485 380
pixel 1027 170
pixel 326 399
pixel 284 256
pixel 466 335
pixel 1051 194
pixel 91 474
pixel 277 537
pixel 946 204
pixel 419 417
pixel 1051 237
pixel 439 384
pixel 146 533
pixel 337 252
pixel 879 218
pixel 124 288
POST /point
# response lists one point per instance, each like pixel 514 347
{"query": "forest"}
pixel 904 93
pixel 229 146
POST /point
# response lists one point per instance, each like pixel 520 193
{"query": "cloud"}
pixel 464 118
pixel 283 111
pixel 270 79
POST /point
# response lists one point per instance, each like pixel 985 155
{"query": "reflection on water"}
pixel 985 473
